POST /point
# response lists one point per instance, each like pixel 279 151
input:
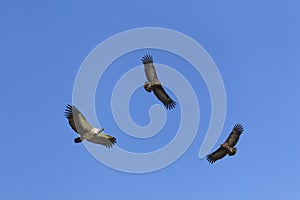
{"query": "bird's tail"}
pixel 77 140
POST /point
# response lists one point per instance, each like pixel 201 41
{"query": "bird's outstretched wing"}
pixel 103 139
pixel 234 136
pixel 216 155
pixel 149 68
pixel 161 94
pixel 76 120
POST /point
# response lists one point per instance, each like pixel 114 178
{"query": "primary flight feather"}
pixel 153 84
pixel 228 146
pixel 81 126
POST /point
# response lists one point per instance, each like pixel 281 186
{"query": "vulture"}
pixel 153 83
pixel 228 146
pixel 81 126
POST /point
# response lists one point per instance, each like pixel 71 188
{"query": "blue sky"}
pixel 255 46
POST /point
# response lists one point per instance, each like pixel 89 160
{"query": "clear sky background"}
pixel 256 47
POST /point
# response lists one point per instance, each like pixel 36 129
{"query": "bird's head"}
pixel 147 87
pixel 231 151
pixel 102 129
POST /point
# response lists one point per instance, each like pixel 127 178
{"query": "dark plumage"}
pixel 69 115
pixel 161 94
pixel 228 146
pixel 153 84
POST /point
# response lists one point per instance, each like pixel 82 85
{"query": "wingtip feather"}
pixel 147 59
pixel 209 159
pixel 113 141
pixel 68 110
pixel 238 127
pixel 170 105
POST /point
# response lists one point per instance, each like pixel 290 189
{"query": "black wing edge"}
pixel 147 59
pixel 113 141
pixel 69 111
pixel 209 159
pixel 170 105
pixel 238 128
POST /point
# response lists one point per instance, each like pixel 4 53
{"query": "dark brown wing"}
pixel 218 154
pixel 234 136
pixel 161 94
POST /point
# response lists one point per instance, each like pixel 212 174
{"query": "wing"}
pixel 76 120
pixel 149 68
pixel 161 94
pixel 218 154
pixel 234 136
pixel 103 139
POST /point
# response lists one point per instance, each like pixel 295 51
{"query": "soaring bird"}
pixel 153 84
pixel 81 126
pixel 228 146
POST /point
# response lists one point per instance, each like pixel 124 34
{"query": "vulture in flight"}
pixel 153 83
pixel 81 126
pixel 228 146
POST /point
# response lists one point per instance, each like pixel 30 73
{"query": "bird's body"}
pixel 153 84
pixel 81 126
pixel 227 148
